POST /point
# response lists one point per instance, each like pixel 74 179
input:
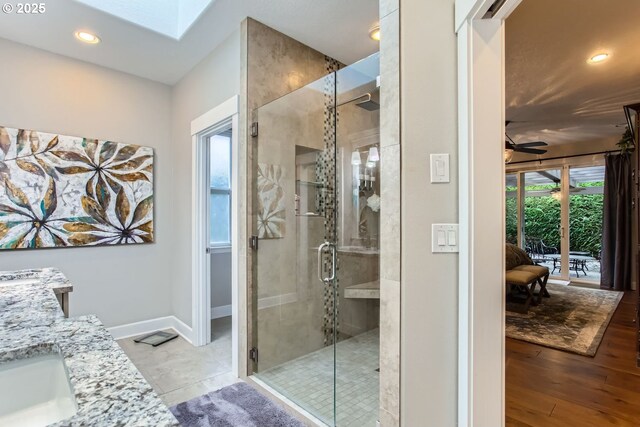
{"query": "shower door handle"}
pixel 320 252
pixel 321 249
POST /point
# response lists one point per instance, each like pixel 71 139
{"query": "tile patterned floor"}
pixel 179 371
pixel 308 381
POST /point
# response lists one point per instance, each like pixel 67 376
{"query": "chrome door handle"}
pixel 321 249
pixel 333 264
pixel 320 252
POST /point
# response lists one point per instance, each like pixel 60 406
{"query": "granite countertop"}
pixel 51 277
pixel 109 390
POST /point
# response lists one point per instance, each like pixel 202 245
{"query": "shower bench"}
pixel 369 290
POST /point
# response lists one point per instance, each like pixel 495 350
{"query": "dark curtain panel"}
pixel 616 234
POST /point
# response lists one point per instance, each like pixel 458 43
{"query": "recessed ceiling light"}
pixel 86 37
pixel 374 32
pixel 599 57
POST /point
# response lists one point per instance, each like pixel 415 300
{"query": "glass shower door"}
pixel 295 263
pixel 316 160
pixel 358 155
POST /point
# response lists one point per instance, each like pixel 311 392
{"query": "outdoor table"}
pixel 577 263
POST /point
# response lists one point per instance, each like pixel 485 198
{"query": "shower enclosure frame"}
pixel 326 251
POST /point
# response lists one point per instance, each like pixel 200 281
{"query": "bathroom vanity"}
pixel 59 371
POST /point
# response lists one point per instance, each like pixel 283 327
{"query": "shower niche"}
pixel 308 187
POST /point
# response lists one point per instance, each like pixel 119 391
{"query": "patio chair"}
pixel 538 250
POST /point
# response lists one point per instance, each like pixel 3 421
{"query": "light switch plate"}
pixel 439 168
pixel 444 238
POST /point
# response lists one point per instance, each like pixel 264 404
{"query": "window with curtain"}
pixel 220 189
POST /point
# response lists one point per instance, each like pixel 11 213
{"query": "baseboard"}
pixel 151 325
pixel 222 311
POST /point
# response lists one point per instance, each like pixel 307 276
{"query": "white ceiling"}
pixel 337 28
pixel 553 93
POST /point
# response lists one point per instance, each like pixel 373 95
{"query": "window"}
pixel 220 189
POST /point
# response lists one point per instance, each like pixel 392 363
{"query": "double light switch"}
pixel 444 238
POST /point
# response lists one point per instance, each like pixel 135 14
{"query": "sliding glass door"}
pixel 543 226
pixel 555 214
pixel 586 206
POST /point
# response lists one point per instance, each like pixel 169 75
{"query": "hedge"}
pixel 542 220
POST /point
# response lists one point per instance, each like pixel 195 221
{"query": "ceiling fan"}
pixel 526 147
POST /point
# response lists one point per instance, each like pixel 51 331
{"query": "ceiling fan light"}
pixel 599 57
pixel 508 155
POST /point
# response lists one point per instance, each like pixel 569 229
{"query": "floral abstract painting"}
pixel 64 191
pixel 271 202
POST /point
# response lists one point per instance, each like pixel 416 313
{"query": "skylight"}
pixel 169 17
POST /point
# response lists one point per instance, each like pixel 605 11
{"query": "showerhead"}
pixel 369 104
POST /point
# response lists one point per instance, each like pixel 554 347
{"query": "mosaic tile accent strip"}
pixel 327 199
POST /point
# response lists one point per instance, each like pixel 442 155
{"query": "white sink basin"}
pixel 35 392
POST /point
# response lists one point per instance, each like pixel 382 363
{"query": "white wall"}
pixel 221 279
pixel 213 81
pixel 429 281
pixel 52 93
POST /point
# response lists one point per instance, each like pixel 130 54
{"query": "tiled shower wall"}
pixel 390 279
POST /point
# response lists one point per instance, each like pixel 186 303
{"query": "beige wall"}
pixel 51 93
pixel 429 281
pixel 210 83
pixel 220 279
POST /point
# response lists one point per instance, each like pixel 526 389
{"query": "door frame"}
pixel 481 299
pixel 221 117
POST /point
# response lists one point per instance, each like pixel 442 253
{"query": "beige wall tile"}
pixel 390 213
pixel 388 6
pixel 390 346
pixel 390 80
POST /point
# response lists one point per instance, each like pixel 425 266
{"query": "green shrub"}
pixel 542 220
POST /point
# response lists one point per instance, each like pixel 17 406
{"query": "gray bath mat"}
pixel 238 405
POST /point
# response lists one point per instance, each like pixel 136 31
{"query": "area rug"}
pixel 238 405
pixel 574 319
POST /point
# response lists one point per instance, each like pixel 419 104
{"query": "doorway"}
pixel 481 31
pixel 215 231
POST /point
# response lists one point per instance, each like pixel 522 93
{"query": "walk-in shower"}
pixel 316 273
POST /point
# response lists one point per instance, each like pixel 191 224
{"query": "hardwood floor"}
pixel 552 388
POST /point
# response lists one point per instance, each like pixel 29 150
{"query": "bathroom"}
pixel 310 170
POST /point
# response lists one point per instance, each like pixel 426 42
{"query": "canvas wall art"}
pixel 65 191
pixel 271 202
